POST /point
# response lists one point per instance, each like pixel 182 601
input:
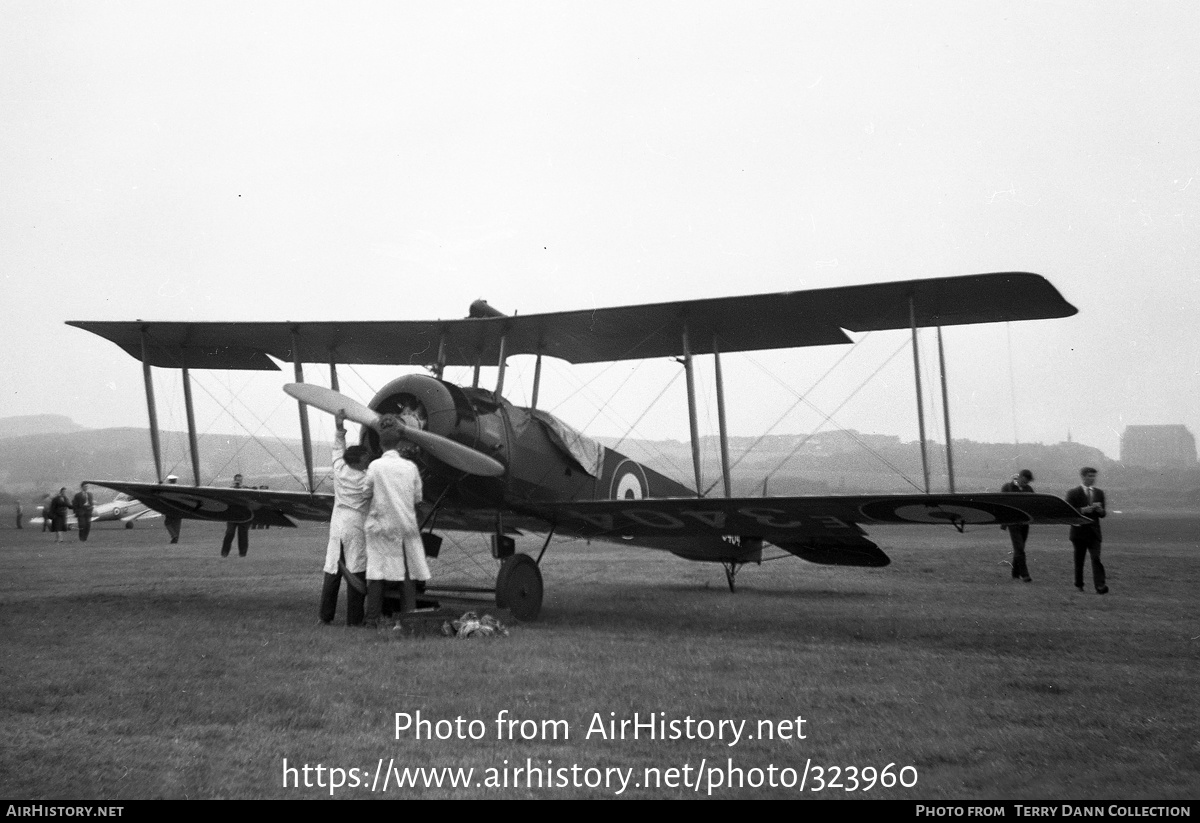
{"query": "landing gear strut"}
pixel 731 570
pixel 518 583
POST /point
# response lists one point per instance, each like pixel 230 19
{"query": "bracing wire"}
pixel 605 407
pixel 646 411
pixel 828 418
pixel 602 372
pixel 800 399
pixel 253 435
pixel 581 386
pixel 616 391
pixel 472 569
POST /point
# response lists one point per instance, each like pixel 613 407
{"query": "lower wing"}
pixel 824 530
pixel 260 506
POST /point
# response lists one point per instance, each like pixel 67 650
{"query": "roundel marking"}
pixel 943 514
pixel 629 482
pixel 116 511
pixel 958 512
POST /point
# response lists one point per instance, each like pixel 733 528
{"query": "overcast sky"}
pixel 320 161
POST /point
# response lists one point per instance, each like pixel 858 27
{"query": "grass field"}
pixel 133 669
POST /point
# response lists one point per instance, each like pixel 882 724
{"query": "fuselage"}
pixel 123 507
pixel 546 462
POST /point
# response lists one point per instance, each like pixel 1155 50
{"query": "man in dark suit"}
pixel 1086 538
pixel 84 504
pixel 1019 533
pixel 173 522
pixel 59 506
pixel 242 530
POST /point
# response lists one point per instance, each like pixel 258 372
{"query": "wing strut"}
pixel 537 379
pixel 481 309
pixel 440 368
pixel 721 430
pixel 500 367
pixel 691 398
pixel 305 437
pixel 193 443
pixel 946 410
pixel 912 314
pixel 150 408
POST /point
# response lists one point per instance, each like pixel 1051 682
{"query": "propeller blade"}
pixel 453 453
pixel 330 401
pixel 450 452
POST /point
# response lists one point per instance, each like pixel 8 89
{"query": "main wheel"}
pixel 519 587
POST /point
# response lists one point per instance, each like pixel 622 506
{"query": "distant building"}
pixel 1158 447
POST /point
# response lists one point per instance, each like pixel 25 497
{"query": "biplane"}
pixel 494 467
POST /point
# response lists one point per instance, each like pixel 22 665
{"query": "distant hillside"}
pixel 37 463
pixel 37 424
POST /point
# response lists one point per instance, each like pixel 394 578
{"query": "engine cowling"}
pixel 422 397
pixel 442 408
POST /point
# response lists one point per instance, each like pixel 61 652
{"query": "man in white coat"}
pixel 394 548
pixel 347 541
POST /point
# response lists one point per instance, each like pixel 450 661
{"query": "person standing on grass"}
pixel 1086 538
pixel 1018 533
pixel 84 504
pixel 59 506
pixel 242 530
pixel 394 547
pixel 347 541
pixel 173 522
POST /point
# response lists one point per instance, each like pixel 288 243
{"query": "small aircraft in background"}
pixel 493 467
pixel 127 509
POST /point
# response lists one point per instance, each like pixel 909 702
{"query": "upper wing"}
pixel 265 506
pixel 766 321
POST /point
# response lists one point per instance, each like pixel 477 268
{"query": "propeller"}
pixel 450 452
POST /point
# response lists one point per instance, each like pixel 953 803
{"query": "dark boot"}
pixel 374 602
pixel 329 595
pixel 355 600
